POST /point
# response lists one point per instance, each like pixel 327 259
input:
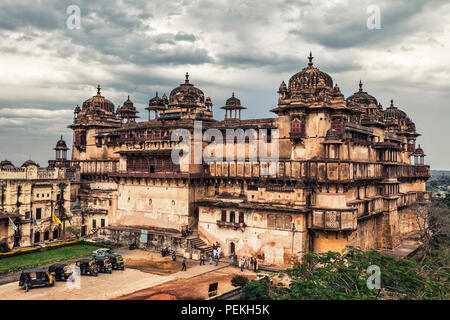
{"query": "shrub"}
pixel 239 281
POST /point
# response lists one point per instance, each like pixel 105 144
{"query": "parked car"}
pixel 35 278
pixel 87 267
pixel 115 259
pixel 103 264
pixel 61 271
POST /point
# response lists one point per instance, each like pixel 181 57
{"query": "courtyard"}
pixel 147 276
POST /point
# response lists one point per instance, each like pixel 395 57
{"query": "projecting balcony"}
pixel 296 135
pixel 332 220
pixel 230 224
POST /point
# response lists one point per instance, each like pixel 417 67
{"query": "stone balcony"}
pixel 230 224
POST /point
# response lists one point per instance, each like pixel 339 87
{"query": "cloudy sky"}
pixel 138 47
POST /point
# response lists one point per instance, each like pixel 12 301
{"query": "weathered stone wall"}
pixel 270 244
pixel 163 205
pixel 155 241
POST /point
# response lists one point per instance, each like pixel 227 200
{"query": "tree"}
pixel 264 289
pixel 342 276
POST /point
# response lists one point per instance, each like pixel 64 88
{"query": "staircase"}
pixel 198 243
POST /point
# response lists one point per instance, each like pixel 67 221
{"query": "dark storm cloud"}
pixel 138 47
pixel 279 64
pixel 345 25
pixel 15 14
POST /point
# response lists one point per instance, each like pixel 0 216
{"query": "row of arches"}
pixel 46 235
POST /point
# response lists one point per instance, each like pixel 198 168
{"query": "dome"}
pixel 362 97
pixel 394 112
pixel 29 163
pixel 410 124
pixel 77 109
pixel 6 164
pixel 128 105
pixel 233 101
pixel 157 101
pixel 61 145
pixel 309 77
pixel 283 87
pixel 332 135
pixel 186 94
pixel 99 102
pixel 419 152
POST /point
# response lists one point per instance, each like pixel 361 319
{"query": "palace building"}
pixel 30 196
pixel 346 172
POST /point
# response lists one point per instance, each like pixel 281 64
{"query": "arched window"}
pixel 37 237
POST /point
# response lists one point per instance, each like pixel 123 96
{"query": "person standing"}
pixel 210 258
pixel 217 260
pixel 235 259
pixel 202 259
pixel 255 265
pixel 242 264
pixel 251 262
pixel 183 265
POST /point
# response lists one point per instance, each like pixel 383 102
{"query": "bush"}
pixel 256 290
pixel 239 281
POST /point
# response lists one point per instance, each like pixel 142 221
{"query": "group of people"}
pixel 213 256
pixel 245 262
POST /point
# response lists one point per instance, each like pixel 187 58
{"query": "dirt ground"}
pixel 147 275
pixel 192 288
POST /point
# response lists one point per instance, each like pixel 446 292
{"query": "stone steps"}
pixel 198 243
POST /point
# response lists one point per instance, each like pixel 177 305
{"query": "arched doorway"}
pixel 55 234
pixel 46 235
pixel 37 237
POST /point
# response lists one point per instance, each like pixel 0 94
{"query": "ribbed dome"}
pixel 332 135
pixel 30 163
pixel 394 113
pixel 283 87
pixel 128 105
pixel 99 102
pixel 309 77
pixel 61 144
pixel 157 101
pixel 233 101
pixel 187 95
pixel 419 152
pixel 6 164
pixel 362 97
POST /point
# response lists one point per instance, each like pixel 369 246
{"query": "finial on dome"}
pixel 392 103
pixel 232 94
pixel 98 89
pixel 310 58
pixel 156 93
pixel 128 97
pixel 187 78
pixel 360 86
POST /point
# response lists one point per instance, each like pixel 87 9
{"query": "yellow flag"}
pixel 55 219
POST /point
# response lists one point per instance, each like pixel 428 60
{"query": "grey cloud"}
pixel 333 27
